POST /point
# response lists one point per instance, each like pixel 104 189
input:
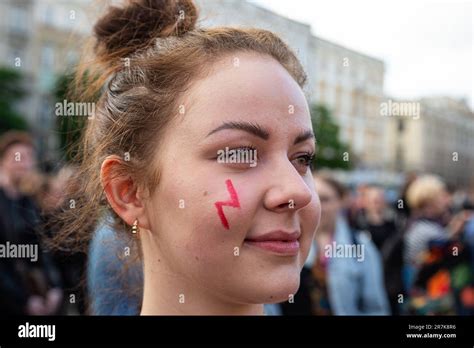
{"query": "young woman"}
pixel 216 236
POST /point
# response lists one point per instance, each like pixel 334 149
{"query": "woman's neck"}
pixel 164 296
pixel 374 217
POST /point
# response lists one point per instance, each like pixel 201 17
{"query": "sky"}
pixel 427 45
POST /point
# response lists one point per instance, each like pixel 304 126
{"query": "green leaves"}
pixel 11 91
pixel 331 152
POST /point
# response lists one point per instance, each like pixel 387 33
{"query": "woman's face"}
pixel 242 231
pixel 375 200
pixel 18 160
pixel 439 205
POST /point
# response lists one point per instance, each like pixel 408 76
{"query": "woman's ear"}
pixel 122 192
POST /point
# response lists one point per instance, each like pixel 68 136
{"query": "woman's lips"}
pixel 279 242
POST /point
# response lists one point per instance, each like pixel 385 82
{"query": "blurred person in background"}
pixel 438 276
pixel 379 221
pixel 334 284
pixel 27 285
pixel 376 218
pixel 469 230
pixel 355 203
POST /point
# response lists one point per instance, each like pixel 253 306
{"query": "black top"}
pixel 20 277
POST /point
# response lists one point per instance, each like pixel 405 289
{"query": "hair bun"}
pixel 122 31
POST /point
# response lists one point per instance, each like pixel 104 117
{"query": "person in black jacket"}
pixel 28 285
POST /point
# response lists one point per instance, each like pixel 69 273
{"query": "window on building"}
pixel 15 53
pixel 47 13
pixel 338 101
pixel 322 92
pixel 18 19
pixel 355 102
pixel 47 56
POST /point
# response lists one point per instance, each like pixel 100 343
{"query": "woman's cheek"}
pixel 221 220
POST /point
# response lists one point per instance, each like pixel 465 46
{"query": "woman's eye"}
pixel 304 161
pixel 238 156
pixel 245 149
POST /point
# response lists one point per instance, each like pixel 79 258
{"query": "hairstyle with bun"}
pixel 145 56
pixel 149 19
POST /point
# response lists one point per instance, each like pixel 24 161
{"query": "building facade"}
pixel 351 85
pixel 43 38
pixel 439 140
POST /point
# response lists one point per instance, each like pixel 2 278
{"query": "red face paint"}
pixel 232 202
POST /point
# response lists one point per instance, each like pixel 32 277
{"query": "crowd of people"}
pixel 423 258
pixel 411 256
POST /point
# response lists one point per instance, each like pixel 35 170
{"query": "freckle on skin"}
pixel 205 193
pixel 197 259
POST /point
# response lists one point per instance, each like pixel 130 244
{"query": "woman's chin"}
pixel 275 289
pixel 285 291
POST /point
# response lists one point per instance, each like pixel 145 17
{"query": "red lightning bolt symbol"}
pixel 233 202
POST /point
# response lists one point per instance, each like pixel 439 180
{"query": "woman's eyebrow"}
pixel 252 128
pixel 304 135
pixel 259 131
